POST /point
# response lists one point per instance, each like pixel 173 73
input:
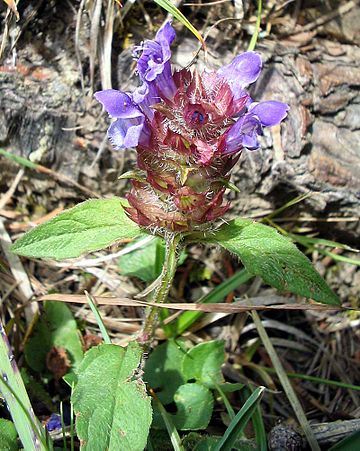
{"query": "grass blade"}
pixel 226 402
pixel 98 318
pixel 318 380
pixel 173 433
pixel 13 390
pixel 241 419
pixel 307 240
pixel 289 204
pixel 290 393
pixel 255 36
pixel 173 10
pixel 258 425
pixel 63 425
pixel 19 160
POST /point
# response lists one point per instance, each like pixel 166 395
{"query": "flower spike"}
pixel 189 129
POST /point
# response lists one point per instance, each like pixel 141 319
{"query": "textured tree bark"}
pixel 318 148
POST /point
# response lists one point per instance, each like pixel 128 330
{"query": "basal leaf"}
pixel 194 404
pixel 55 328
pixel 113 411
pixel 90 226
pixel 163 369
pixel 203 363
pixel 266 253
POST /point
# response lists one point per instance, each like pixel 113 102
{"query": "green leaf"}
pixel 90 226
pixel 36 389
pixel 8 436
pixel 241 419
pixel 228 387
pixel 194 404
pixel 163 369
pixel 146 262
pixel 112 408
pixel 56 327
pixel 203 363
pixel 170 366
pixel 266 253
pixel 207 444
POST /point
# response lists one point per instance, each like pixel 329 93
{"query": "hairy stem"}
pixel 173 250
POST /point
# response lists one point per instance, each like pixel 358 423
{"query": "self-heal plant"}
pixel 189 130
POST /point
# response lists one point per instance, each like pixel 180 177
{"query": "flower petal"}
pixel 270 113
pixel 243 133
pixel 146 96
pixel 155 54
pixel 233 138
pixel 165 37
pixel 243 70
pixel 118 104
pixel 125 133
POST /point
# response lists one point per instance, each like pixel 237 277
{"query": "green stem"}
pixel 173 249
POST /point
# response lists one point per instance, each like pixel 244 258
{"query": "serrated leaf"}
pixel 194 404
pixel 56 327
pixel 112 408
pixel 203 363
pixel 163 369
pixel 266 253
pixel 8 436
pixel 90 226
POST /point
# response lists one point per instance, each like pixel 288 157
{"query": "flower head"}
pixel 189 129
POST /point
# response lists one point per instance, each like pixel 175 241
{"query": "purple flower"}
pixel 130 128
pixel 244 133
pixel 153 63
pixel 243 70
